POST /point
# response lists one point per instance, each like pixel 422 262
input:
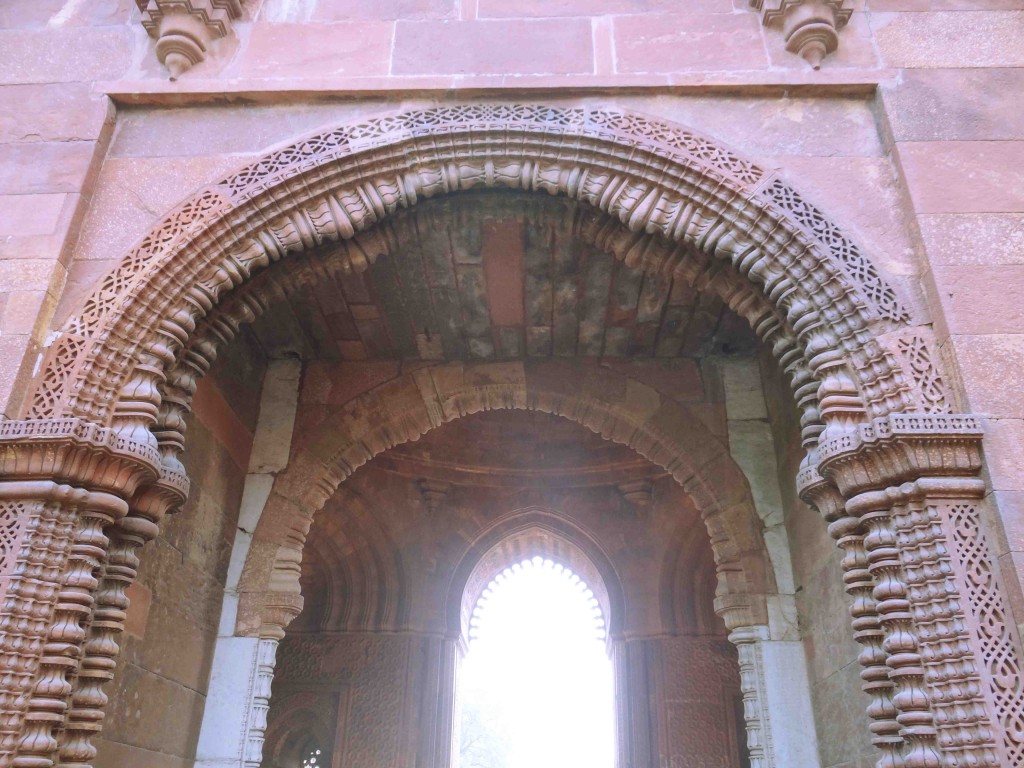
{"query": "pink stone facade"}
pixel 609 211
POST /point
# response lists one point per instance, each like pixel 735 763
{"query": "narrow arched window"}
pixel 536 683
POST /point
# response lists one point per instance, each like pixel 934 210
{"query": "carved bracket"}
pixel 184 29
pixel 638 494
pixel 811 27
pixel 434 492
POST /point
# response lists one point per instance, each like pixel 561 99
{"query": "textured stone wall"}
pixel 910 135
pixel 158 696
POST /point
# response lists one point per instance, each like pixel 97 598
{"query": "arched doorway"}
pixel 535 685
pixel 390 576
pixel 96 460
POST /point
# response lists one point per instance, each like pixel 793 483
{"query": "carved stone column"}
pixel 922 577
pixel 849 533
pixel 65 486
pixel 102 647
pixel 774 681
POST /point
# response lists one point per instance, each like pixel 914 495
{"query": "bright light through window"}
pixel 312 760
pixel 536 684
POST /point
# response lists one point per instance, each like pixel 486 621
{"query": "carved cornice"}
pixel 810 27
pixel 80 453
pixel 901 448
pixel 184 29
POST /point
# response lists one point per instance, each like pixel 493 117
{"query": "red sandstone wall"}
pixel 910 136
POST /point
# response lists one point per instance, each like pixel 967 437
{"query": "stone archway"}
pixel 620 409
pixel 526 533
pixel 93 466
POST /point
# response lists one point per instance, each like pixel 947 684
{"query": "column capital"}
pixel 81 454
pixel 899 448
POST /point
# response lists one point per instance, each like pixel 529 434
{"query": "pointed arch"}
pixel 621 409
pixel 111 359
pixel 527 533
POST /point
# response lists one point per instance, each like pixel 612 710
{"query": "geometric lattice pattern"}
pixel 918 364
pixel 12 522
pixel 317 150
pixel 860 270
pixel 986 602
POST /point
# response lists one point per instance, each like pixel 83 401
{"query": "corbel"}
pixel 810 27
pixel 184 29
pixel 638 494
pixel 434 493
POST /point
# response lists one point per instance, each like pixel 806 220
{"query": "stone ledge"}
pixel 753 83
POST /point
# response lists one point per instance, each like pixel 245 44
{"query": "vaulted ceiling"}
pixel 487 276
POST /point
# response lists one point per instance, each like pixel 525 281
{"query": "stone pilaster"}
pixel 910 524
pixel 66 486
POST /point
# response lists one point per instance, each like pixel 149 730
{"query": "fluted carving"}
pixel 127 537
pixel 50 595
pixel 867 630
pixel 256 725
pixel 62 652
pixel 752 686
pixel 913 707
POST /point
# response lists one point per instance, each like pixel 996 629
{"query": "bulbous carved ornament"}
pixel 184 29
pixel 810 27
